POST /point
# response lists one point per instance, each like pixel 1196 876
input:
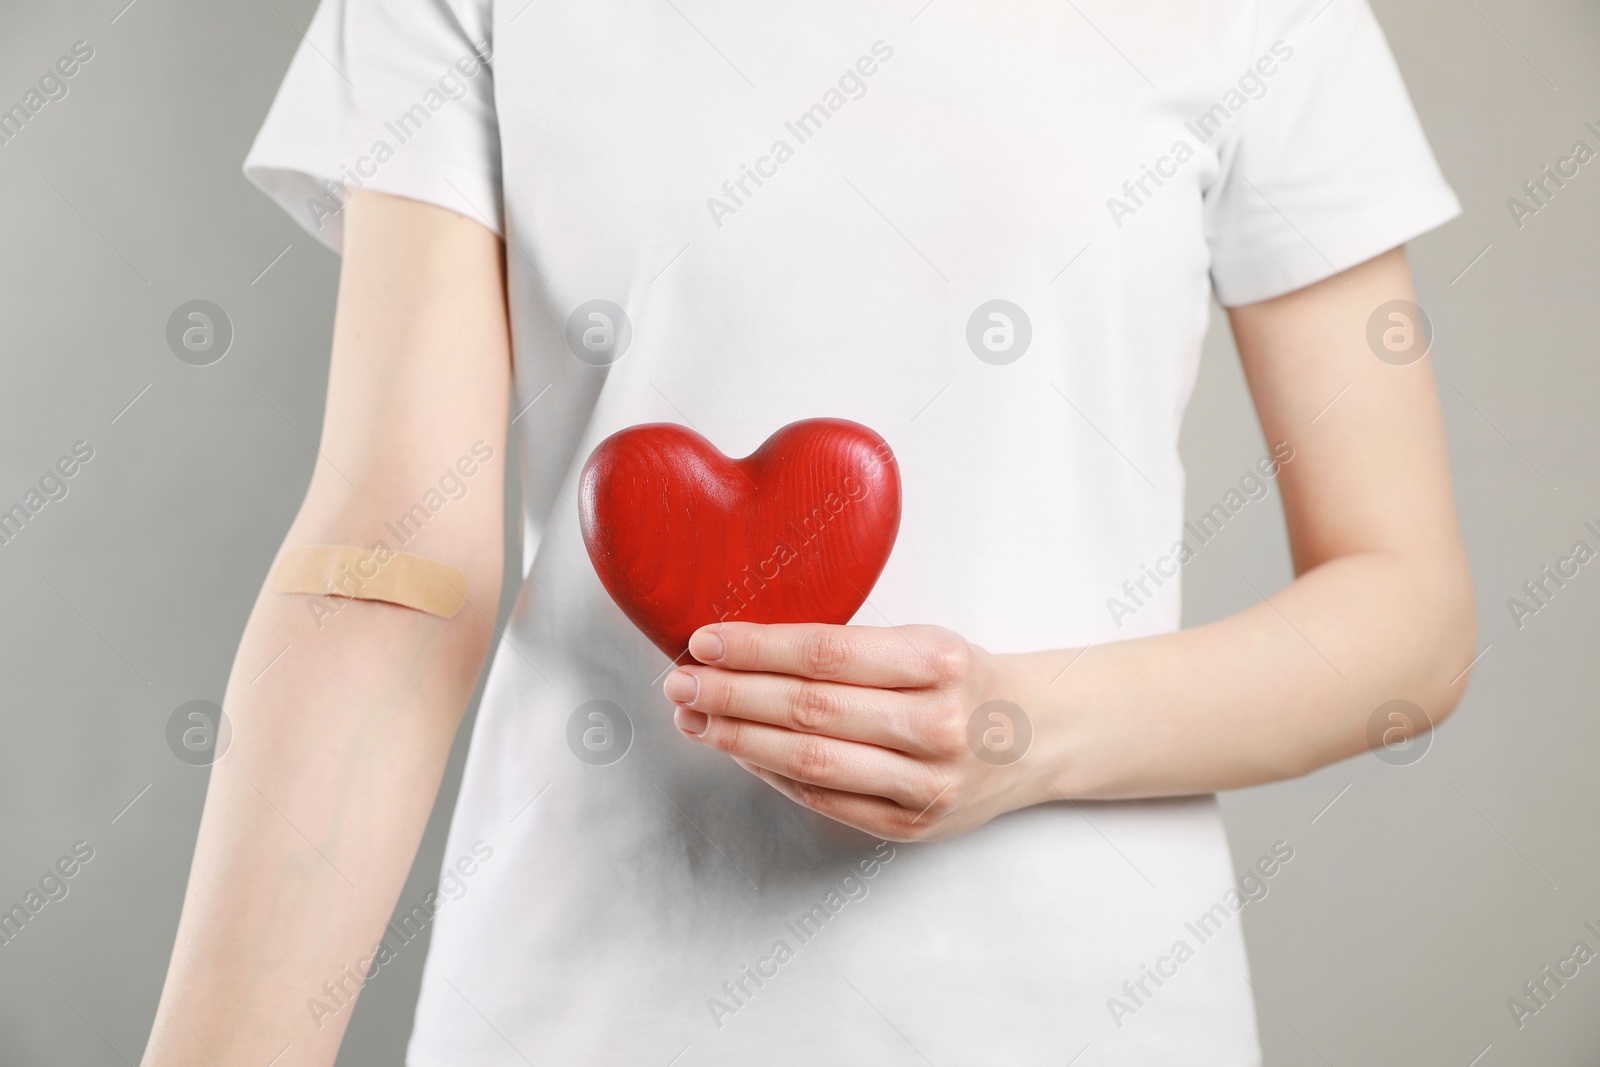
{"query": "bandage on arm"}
pixel 372 574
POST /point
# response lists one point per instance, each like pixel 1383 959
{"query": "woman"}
pixel 991 234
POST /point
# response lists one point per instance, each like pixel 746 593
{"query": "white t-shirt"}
pixel 806 210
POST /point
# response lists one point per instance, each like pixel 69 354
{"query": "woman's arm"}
pixel 1381 607
pixel 342 722
pixel 871 726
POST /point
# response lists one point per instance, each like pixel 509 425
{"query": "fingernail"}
pixel 706 646
pixel 691 722
pixel 681 687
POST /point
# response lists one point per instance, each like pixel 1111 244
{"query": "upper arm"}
pixel 1370 470
pixel 417 391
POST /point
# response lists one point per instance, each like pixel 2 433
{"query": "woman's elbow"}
pixel 1448 657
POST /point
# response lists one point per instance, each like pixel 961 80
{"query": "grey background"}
pixel 1415 905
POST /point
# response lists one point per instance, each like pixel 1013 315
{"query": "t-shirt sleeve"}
pixel 1329 166
pixel 393 95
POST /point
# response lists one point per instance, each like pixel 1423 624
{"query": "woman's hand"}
pixel 901 733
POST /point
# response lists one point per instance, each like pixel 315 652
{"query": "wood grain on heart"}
pixel 682 536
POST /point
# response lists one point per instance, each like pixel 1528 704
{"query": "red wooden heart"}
pixel 682 536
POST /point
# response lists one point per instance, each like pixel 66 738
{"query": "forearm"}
pixel 1276 690
pixel 312 817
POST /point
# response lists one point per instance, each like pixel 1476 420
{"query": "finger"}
pixel 882 717
pixel 899 657
pixel 874 815
pixel 823 761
